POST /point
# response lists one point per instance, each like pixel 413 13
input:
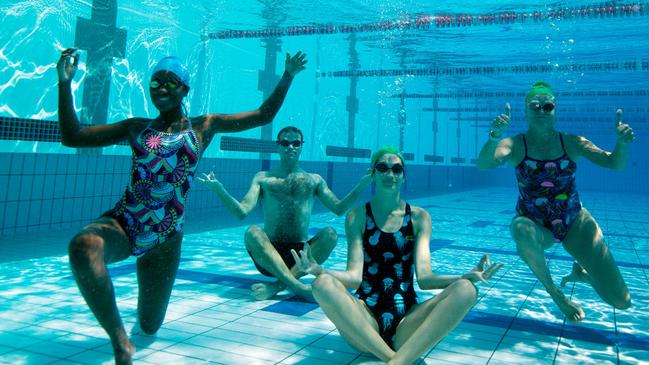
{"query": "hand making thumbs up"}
pixel 624 131
pixel 500 123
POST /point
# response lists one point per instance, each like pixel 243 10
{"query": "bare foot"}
pixel 305 293
pixel 570 309
pixel 263 291
pixel 578 275
pixel 124 353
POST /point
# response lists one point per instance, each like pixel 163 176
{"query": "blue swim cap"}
pixel 173 64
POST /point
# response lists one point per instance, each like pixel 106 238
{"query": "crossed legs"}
pixel 266 255
pixel 423 326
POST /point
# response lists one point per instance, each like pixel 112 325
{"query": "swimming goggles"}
pixel 285 143
pixel 547 107
pixel 382 167
pixel 168 84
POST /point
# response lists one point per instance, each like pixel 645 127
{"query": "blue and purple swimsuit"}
pixel 152 207
pixel 547 192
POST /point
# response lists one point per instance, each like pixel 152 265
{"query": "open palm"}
pixel 483 271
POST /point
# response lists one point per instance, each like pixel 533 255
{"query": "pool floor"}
pixel 211 318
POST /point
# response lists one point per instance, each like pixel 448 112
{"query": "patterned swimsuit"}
pixel 548 193
pixel 387 273
pixel 152 208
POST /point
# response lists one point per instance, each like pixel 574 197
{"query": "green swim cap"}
pixel 539 88
pixel 384 151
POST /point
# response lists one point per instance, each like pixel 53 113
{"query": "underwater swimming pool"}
pixel 427 78
pixel 212 318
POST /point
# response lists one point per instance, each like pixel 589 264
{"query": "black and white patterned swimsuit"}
pixel 388 270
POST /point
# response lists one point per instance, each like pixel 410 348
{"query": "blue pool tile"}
pixel 5 349
pixel 210 306
pixel 5 163
pixel 293 307
pixel 54 347
pixel 536 327
pixel 16 340
pixel 301 359
pixel 438 243
pixel 333 356
pixel 547 255
pixel 480 224
pixel 26 357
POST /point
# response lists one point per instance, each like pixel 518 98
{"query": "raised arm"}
pixel 615 160
pixel 329 199
pixel 352 277
pixel 496 151
pixel 72 135
pixel 239 209
pixel 224 123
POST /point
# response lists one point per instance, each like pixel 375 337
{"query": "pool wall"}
pixel 50 192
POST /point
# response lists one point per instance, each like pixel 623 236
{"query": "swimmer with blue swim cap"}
pixel 174 65
pixel 169 84
pixel 147 221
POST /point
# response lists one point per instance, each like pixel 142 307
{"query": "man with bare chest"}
pixel 286 194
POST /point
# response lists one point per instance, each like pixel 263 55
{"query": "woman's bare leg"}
pixel 156 273
pixel 531 240
pixel 585 242
pixel 427 323
pixel 97 245
pixel 351 317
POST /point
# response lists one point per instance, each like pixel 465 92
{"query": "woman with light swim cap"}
pixel 147 222
pixel 549 209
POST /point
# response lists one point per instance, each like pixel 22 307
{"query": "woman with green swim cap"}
pixel 148 221
pixel 549 209
pixel 388 243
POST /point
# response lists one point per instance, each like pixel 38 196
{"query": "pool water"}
pixel 211 318
pixel 427 77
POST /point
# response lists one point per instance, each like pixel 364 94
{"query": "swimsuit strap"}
pixel 148 126
pixel 368 213
pixel 563 147
pixel 408 229
pixel 525 144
